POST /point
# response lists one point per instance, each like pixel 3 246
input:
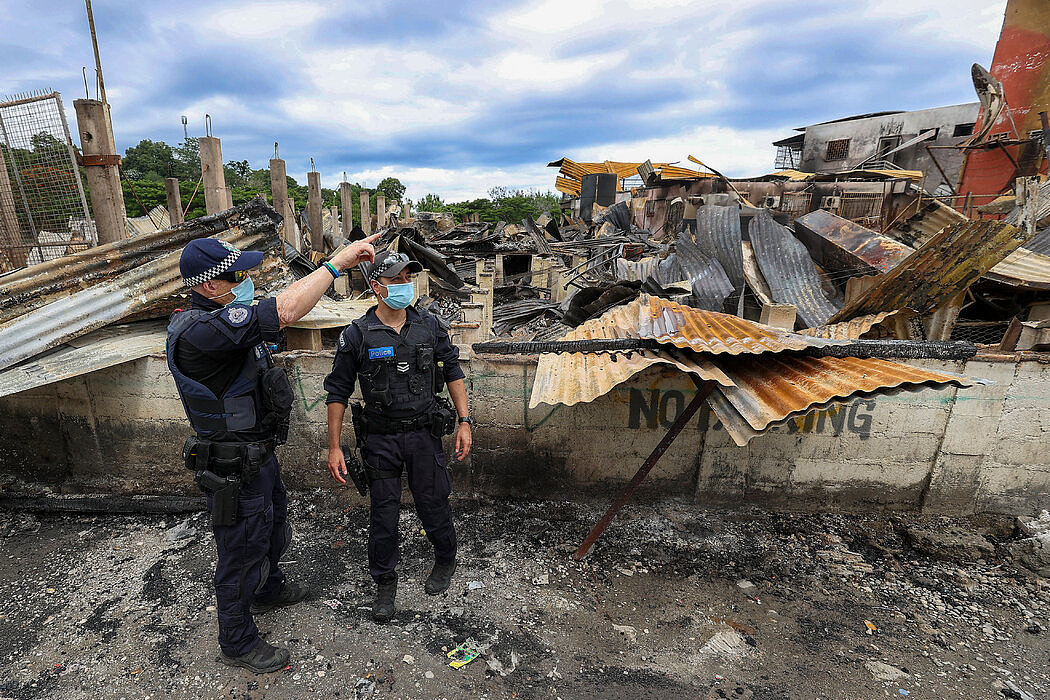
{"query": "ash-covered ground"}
pixel 676 600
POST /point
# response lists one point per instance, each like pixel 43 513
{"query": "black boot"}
pixel 291 593
pixel 440 578
pixel 264 658
pixel 386 591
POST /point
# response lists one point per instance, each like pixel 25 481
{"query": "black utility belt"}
pixel 386 426
pixel 227 458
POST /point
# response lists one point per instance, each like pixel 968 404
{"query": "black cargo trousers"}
pixel 420 454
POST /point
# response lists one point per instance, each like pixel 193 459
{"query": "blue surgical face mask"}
pixel 399 296
pixel 244 292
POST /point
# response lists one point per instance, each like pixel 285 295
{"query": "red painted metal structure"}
pixel 1022 64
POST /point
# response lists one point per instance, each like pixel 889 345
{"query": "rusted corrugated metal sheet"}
pixel 582 377
pixel 718 235
pixel 31 287
pixel 789 271
pixel 711 332
pixel 841 245
pixel 849 330
pixel 949 263
pixel 118 296
pixel 771 389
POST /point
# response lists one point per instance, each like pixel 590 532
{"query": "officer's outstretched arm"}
pixel 296 301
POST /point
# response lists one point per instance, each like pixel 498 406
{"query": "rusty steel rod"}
pixel 702 391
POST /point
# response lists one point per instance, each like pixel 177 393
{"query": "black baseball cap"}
pixel 390 264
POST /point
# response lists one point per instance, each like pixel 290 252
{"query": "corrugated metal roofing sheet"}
pixel 718 235
pixel 949 263
pixel 849 330
pixel 769 390
pixel 582 377
pixel 712 332
pixel 844 243
pixel 158 219
pixel 1023 268
pixel 708 280
pixel 115 297
pixel 106 347
pixel 789 271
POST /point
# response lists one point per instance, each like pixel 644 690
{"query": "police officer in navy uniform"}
pixel 402 356
pixel 237 403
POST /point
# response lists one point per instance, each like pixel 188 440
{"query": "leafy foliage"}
pixel 502 204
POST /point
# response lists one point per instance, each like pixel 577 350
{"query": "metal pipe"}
pixel 703 389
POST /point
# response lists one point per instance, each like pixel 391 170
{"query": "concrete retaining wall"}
pixel 120 430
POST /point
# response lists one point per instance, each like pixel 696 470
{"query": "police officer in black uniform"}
pixel 402 356
pixel 238 403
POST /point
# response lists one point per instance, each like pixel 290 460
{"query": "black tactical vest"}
pixel 240 409
pixel 398 373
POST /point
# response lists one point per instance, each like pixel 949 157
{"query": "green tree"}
pixel 431 202
pixel 148 160
pixel 391 188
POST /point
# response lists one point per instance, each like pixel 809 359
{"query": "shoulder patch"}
pixel 236 315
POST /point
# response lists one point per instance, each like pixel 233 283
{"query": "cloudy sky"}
pixel 455 98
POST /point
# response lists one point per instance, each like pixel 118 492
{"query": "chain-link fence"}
pixel 43 210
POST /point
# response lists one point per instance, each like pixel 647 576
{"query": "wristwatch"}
pixel 468 420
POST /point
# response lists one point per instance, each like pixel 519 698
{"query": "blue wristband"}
pixel 331 268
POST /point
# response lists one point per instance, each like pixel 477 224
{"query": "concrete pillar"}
pixel 422 282
pixel 303 339
pixel 346 202
pixel 10 234
pixel 484 297
pixel 229 198
pixel 558 275
pixel 313 211
pixel 366 214
pixel 215 196
pixel 541 272
pixel 171 189
pixel 279 187
pixel 380 212
pixel 101 165
pixel 500 277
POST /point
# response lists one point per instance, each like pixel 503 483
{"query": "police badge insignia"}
pixel 237 315
pixel 402 367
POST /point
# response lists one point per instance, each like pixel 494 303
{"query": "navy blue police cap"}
pixel 389 263
pixel 204 259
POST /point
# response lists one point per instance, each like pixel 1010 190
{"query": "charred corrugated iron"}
pixel 718 235
pixel 789 271
pixel 949 263
pixel 116 298
pixel 842 245
pixel 711 286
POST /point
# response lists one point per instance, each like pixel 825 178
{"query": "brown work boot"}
pixel 264 658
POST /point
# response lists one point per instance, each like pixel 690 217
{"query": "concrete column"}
pixel 279 187
pixel 303 339
pixel 10 233
pixel 313 211
pixel 346 202
pixel 422 282
pixel 366 214
pixel 215 196
pixel 484 297
pixel 171 190
pixel 558 275
pixel 541 272
pixel 103 174
pixel 229 198
pixel 380 212
pixel 500 275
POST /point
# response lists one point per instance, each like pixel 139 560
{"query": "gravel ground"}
pixel 675 601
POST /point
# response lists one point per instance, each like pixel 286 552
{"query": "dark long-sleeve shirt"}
pixel 340 383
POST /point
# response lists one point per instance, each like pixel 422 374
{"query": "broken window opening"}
pixel 788 157
pixel 837 150
pixel 964 129
pixel 887 144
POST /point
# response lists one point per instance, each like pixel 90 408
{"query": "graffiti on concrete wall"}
pixel 652 408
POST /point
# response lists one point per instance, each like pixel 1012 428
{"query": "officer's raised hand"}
pixel 356 252
pixel 296 301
